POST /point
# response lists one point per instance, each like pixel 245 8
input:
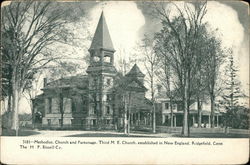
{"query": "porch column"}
pixel 193 120
pixel 132 118
pixel 209 122
pixel 163 119
pixel 139 118
pixel 217 120
pixel 174 120
pixel 150 119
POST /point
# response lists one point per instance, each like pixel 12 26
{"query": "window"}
pixel 50 105
pixel 93 122
pixel 49 122
pixel 108 121
pixel 109 98
pixel 73 106
pixel 107 59
pixel 82 122
pixel 174 106
pixel 96 59
pixel 91 109
pixel 97 97
pixel 107 110
pixel 108 82
pixel 166 105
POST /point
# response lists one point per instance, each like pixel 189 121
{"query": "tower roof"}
pixel 135 72
pixel 102 37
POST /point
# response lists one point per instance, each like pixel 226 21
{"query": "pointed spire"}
pixel 135 72
pixel 102 37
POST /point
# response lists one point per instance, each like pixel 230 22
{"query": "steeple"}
pixel 102 39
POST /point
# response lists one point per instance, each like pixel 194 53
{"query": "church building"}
pixel 102 99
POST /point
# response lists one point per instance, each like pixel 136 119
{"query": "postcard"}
pixel 124 82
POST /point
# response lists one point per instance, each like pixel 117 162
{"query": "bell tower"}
pixel 101 73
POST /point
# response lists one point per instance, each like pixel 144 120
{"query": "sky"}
pixel 128 21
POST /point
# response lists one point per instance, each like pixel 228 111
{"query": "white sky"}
pixel 124 21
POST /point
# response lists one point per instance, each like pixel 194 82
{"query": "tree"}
pixel 232 93
pixel 29 29
pixel 181 33
pixel 213 60
pixel 165 74
pixel 151 64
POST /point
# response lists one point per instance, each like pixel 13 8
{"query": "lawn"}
pixel 214 135
pixel 21 132
pixel 137 133
pixel 105 135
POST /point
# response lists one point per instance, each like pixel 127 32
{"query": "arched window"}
pixel 96 59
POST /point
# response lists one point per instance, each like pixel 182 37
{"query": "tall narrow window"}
pixel 175 106
pixel 73 106
pixel 166 105
pixel 50 105
pixel 108 121
pixel 49 122
pixel 107 110
pixel 108 82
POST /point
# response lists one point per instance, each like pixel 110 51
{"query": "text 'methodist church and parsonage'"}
pixel 98 99
pixel 104 98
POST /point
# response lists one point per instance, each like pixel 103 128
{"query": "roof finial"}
pixel 103 3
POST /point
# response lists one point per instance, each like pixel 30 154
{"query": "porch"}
pixel 193 119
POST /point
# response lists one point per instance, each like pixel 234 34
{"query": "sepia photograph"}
pixel 125 69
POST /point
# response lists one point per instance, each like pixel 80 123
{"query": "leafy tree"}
pixel 232 93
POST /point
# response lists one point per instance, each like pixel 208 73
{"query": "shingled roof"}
pixel 102 37
pixel 135 72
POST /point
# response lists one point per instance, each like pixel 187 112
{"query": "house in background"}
pixel 99 100
pixel 164 112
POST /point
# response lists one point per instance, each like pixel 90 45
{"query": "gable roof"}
pixel 135 72
pixel 130 83
pixel 102 37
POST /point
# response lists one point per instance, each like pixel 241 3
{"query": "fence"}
pixel 165 129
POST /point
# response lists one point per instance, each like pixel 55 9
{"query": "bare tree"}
pixel 165 74
pixel 213 60
pixel 182 32
pixel 151 63
pixel 31 27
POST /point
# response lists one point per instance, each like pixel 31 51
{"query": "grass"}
pixel 21 132
pixel 135 133
pixel 104 135
pixel 214 135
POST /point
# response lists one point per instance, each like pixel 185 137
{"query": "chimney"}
pixel 45 81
